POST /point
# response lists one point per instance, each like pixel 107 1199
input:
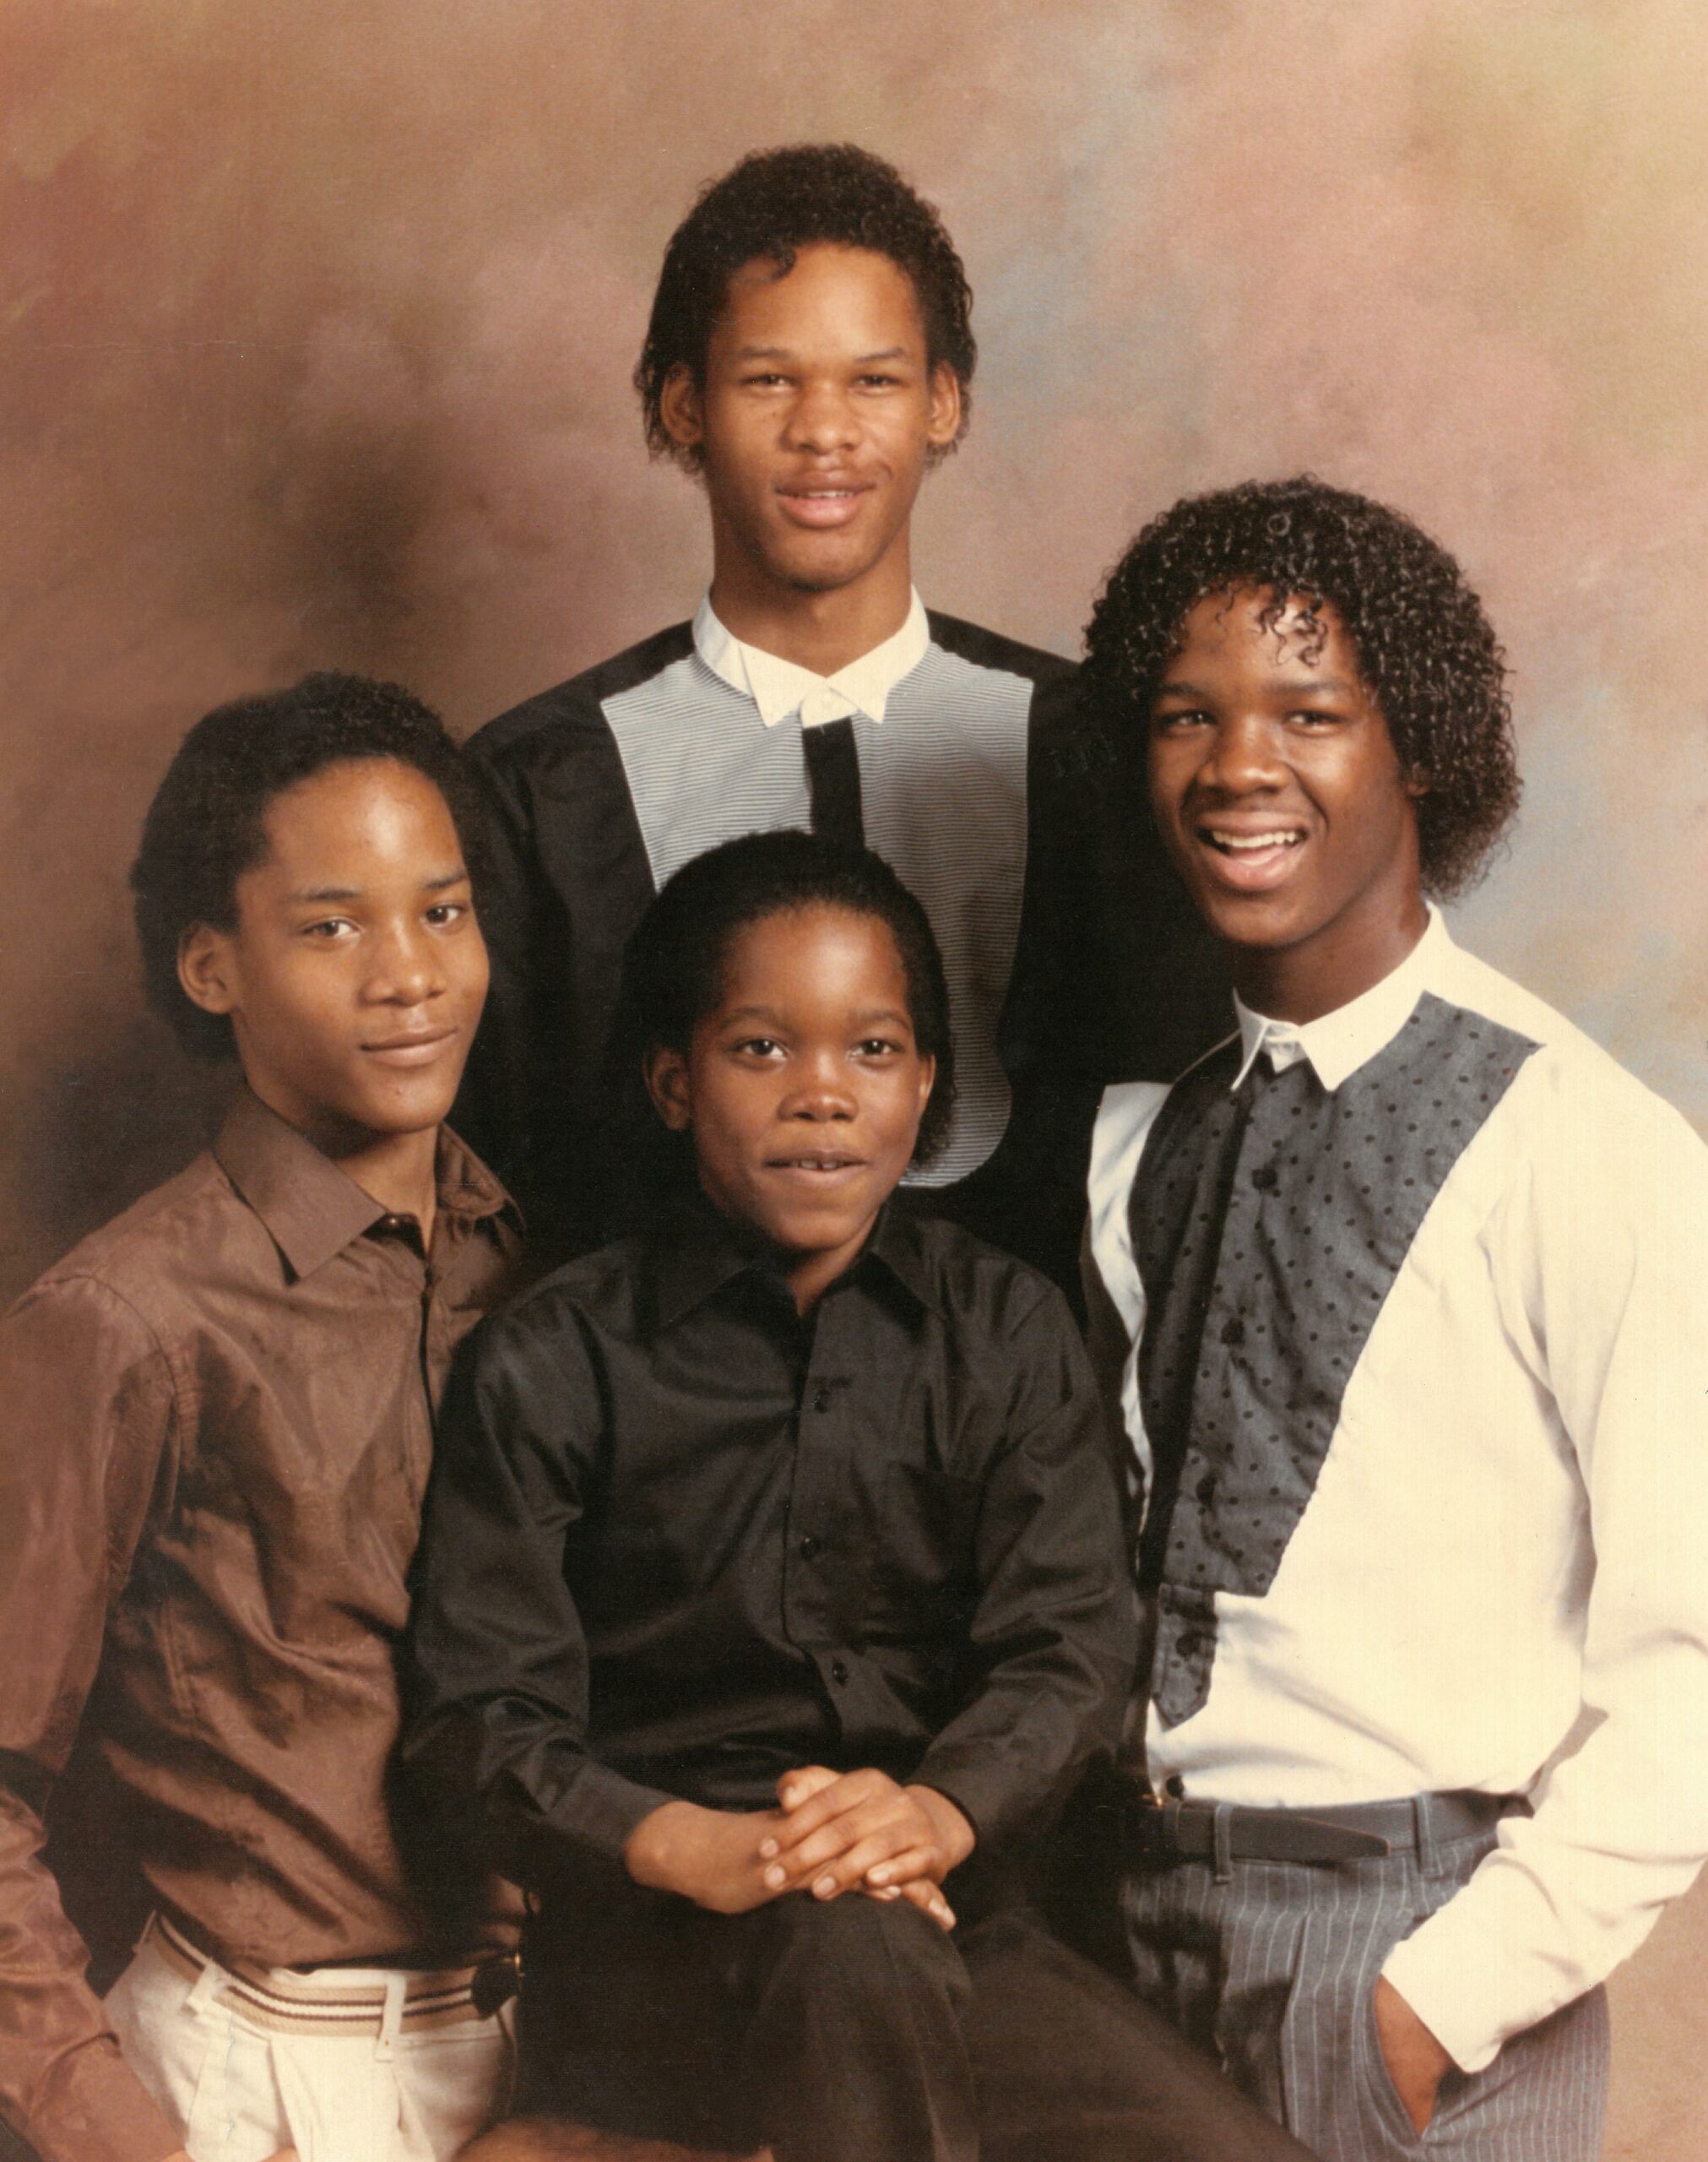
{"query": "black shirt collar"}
pixel 694 1252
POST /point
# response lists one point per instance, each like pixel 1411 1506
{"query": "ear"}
pixel 1418 783
pixel 665 1073
pixel 681 409
pixel 943 422
pixel 928 1079
pixel 208 968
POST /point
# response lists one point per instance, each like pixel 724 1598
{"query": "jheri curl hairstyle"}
pixel 1425 649
pixel 206 826
pixel 673 973
pixel 767 209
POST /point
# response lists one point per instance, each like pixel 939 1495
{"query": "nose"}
pixel 820 1089
pixel 405 967
pixel 822 418
pixel 1244 757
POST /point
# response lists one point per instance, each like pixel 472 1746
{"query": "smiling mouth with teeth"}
pixel 1248 844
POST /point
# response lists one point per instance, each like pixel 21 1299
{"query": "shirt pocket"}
pixel 921 1582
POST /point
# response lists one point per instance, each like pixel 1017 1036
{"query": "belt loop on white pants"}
pixel 204 1990
pixel 391 2018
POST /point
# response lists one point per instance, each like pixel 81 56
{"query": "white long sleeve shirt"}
pixel 1500 1578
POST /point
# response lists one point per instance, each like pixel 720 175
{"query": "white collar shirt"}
pixel 783 690
pixel 1339 1043
pixel 1495 1580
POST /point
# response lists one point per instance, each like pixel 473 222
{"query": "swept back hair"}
pixel 207 824
pixel 767 209
pixel 675 964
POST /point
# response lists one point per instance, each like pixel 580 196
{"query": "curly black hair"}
pixel 206 825
pixel 1424 646
pixel 770 204
pixel 673 968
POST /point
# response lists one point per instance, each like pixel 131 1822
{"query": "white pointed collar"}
pixel 781 689
pixel 1338 1044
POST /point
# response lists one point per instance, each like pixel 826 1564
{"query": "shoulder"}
pixel 981 1292
pixel 118 1323
pixel 1049 683
pixel 1065 748
pixel 554 723
pixel 1564 1064
pixel 141 1268
pixel 598 1295
pixel 1578 1127
pixel 983 649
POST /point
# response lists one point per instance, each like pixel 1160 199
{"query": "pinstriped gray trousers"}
pixel 1274 1972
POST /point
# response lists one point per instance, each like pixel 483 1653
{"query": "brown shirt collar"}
pixel 311 1209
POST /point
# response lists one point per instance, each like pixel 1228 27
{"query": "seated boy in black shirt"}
pixel 774 1595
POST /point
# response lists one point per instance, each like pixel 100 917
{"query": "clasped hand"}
pixel 831 1832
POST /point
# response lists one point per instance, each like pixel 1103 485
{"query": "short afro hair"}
pixel 673 964
pixel 1424 646
pixel 206 826
pixel 772 204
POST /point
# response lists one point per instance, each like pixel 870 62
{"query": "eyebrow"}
pixel 787 353
pixel 318 894
pixel 866 1020
pixel 1332 686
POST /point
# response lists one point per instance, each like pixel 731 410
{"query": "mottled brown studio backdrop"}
pixel 317 323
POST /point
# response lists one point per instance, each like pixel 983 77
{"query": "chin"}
pixel 414 1114
pixel 820 577
pixel 1244 922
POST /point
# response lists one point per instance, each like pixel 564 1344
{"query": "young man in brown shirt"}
pixel 217 1432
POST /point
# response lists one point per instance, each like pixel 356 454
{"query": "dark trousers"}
pixel 858 2031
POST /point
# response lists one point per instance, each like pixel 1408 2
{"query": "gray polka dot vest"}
pixel 1268 1223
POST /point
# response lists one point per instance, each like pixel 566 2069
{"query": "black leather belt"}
pixel 1162 1829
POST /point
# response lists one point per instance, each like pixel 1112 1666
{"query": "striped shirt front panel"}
pixel 943 784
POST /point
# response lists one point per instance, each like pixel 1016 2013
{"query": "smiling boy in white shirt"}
pixel 1401 1290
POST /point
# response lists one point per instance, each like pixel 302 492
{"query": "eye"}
pixel 1313 718
pixel 330 929
pixel 879 1047
pixel 442 914
pixel 1177 721
pixel 758 1047
pixel 880 381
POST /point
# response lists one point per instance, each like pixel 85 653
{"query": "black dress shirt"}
pixel 680 1539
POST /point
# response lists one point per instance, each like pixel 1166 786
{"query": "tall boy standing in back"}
pixel 1405 1293
pixel 809 358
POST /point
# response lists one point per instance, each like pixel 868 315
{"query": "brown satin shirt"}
pixel 215 1430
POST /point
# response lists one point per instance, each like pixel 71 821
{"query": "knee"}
pixel 555 2139
pixel 854 1952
